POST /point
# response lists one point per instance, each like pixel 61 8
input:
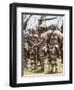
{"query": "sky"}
pixel 33 21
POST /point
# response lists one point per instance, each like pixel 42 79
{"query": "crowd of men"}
pixel 42 49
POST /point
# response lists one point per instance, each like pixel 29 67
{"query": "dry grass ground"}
pixel 47 69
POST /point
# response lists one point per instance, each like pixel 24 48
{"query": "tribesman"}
pixel 34 49
pixel 43 37
pixel 53 48
pixel 41 46
pixel 26 48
